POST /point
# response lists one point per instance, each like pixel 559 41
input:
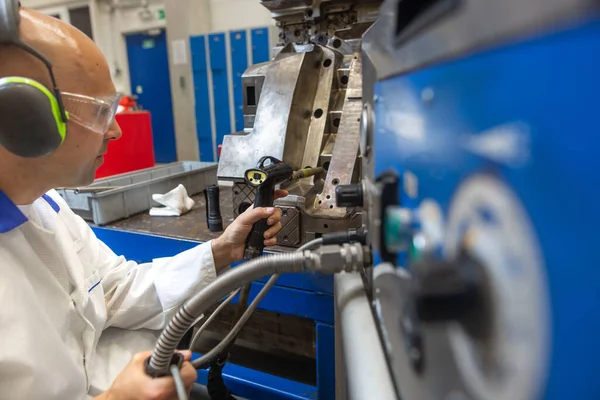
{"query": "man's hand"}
pixel 134 384
pixel 229 247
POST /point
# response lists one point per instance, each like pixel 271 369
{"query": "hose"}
pixel 309 245
pixel 211 318
pixel 252 270
pixel 327 260
pixel 206 359
pixel 179 385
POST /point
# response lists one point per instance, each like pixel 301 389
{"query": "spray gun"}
pixel 268 173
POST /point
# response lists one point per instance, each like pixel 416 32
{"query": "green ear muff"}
pixel 32 118
pixel 31 124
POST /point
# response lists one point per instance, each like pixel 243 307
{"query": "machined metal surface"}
pixel 305 108
pixel 322 21
pixel 290 234
pixel 353 257
pixel 345 150
pixel 282 117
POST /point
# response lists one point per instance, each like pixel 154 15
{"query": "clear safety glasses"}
pixel 93 113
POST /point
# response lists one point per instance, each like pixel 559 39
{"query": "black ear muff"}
pixel 9 21
pixel 28 126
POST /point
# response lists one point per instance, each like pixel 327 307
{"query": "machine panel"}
pixel 504 142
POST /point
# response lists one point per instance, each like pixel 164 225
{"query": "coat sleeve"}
pixel 142 295
pixel 147 295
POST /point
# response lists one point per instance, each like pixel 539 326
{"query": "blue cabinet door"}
pixel 151 82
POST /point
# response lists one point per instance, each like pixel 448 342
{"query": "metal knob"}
pixel 349 195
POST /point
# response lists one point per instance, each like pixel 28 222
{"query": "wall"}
pixel 184 18
pixel 236 14
pixel 112 26
pixel 109 27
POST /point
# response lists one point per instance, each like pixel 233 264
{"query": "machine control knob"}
pixel 349 195
pixel 447 290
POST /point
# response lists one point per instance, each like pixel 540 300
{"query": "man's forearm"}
pixel 221 253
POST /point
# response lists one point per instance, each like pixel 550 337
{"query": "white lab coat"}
pixel 73 312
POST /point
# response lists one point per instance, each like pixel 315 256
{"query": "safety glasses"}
pixel 93 113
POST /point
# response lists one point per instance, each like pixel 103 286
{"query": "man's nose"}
pixel 114 131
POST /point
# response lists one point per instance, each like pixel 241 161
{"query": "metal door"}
pixel 150 81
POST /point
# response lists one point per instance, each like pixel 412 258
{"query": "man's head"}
pixel 81 69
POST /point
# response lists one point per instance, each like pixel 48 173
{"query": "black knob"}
pixel 349 195
pixel 213 209
pixel 445 290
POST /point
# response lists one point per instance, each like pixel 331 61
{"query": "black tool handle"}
pixel 213 210
pixel 255 243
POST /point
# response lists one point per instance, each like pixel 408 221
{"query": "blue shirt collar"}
pixel 10 215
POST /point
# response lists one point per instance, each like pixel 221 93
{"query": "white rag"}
pixel 176 203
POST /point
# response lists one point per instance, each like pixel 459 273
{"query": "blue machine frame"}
pixel 307 296
pixel 545 88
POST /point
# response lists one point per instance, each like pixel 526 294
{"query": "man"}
pixel 74 314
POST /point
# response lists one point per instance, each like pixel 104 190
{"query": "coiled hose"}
pixel 254 269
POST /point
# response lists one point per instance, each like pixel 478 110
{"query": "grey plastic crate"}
pixel 135 190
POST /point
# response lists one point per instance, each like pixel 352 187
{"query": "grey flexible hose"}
pixel 212 317
pixel 252 270
pixel 311 244
pixel 179 385
pixel 206 358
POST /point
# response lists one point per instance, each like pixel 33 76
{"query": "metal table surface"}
pixel 190 226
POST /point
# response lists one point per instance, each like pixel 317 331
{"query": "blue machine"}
pixel 484 130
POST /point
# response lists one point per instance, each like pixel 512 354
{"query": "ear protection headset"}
pixel 33 120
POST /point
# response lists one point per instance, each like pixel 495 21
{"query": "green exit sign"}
pixel 148 44
pixel 161 13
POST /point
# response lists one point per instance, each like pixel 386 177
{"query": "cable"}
pixel 206 359
pixel 254 269
pixel 212 317
pixel 327 260
pixel 309 245
pixel 179 385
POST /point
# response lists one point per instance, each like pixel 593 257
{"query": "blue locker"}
pixel 220 81
pixel 200 74
pixel 239 63
pixel 260 45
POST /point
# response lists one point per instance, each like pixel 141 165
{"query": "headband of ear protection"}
pixel 32 117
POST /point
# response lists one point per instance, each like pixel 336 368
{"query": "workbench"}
pixel 294 301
